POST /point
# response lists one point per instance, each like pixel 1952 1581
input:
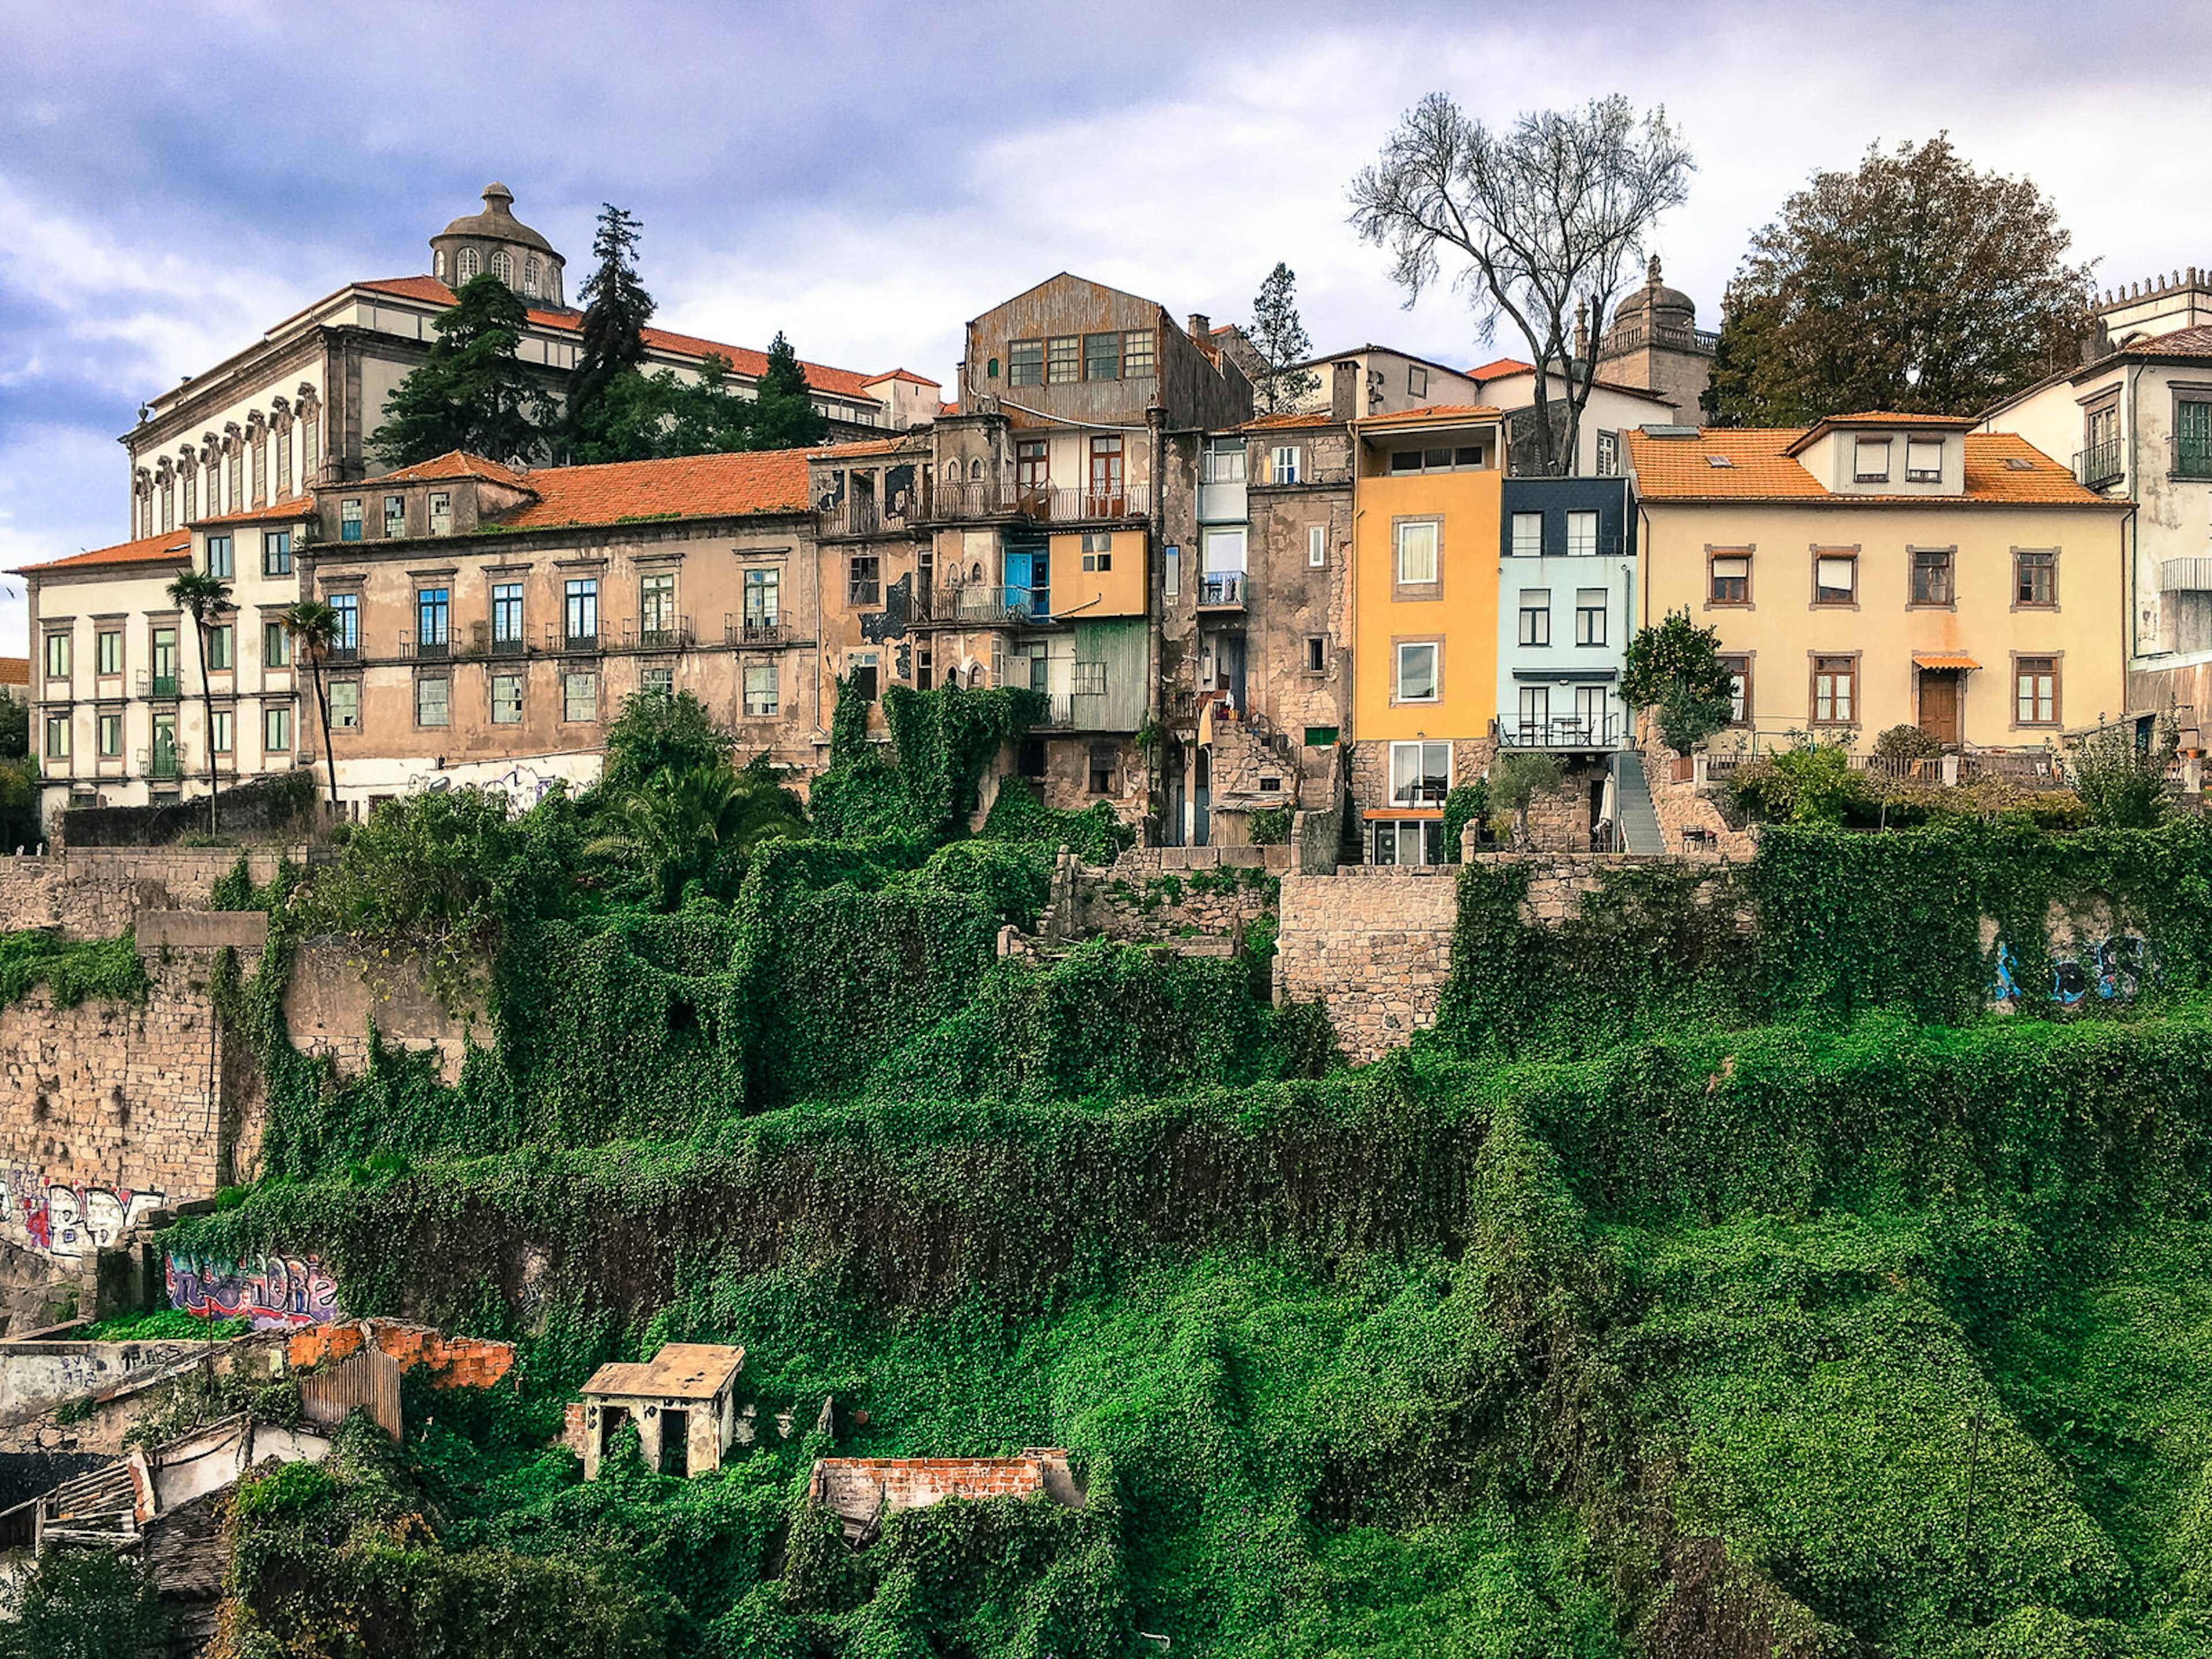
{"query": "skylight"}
pixel 2020 463
pixel 1718 461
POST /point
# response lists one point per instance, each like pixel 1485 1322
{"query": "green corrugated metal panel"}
pixel 1119 645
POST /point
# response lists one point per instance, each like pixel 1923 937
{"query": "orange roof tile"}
pixel 146 550
pixel 944 409
pixel 1821 428
pixel 903 374
pixel 1761 467
pixel 1500 367
pixel 691 487
pixel 15 671
pixel 292 508
pixel 751 363
pixel 1432 413
pixel 1943 659
pixel 1284 421
pixel 866 446
pixel 454 464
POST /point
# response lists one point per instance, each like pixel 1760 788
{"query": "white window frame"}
pixel 1316 546
pixel 1398 680
pixel 1582 535
pixel 1406 793
pixel 1285 464
pixel 1527 535
pixel 1435 541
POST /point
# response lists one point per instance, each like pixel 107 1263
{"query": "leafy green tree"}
pixel 617 308
pixel 472 392
pixel 203 597
pixel 1914 283
pixel 700 824
pixel 784 415
pixel 313 627
pixel 660 735
pixel 1675 669
pixel 1280 336
pixel 643 416
pixel 14 729
pixel 84 1604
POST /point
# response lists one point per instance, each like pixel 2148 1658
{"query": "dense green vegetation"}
pixel 1721 1275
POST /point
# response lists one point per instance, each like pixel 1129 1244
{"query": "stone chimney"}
pixel 1201 329
pixel 1344 389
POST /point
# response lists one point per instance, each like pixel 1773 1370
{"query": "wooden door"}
pixel 1939 704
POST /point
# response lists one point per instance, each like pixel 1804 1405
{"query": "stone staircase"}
pixel 1640 823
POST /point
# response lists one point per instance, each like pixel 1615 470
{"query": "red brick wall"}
pixel 913 1482
pixel 461 1362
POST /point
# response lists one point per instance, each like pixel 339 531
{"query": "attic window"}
pixel 1719 460
pixel 2020 463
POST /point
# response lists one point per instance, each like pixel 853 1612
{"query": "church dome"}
pixel 496 242
pixel 497 222
pixel 1669 305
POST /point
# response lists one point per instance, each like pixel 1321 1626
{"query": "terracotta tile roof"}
pixel 286 511
pixel 865 447
pixel 948 409
pixel 681 1371
pixel 146 550
pixel 454 464
pixel 1284 422
pixel 1498 367
pixel 1761 467
pixel 692 487
pixel 907 374
pixel 1432 413
pixel 15 671
pixel 2180 342
pixel 745 361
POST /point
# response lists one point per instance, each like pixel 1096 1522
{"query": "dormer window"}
pixel 1872 465
pixel 1924 460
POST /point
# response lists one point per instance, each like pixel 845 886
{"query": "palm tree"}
pixel 680 826
pixel 313 627
pixel 203 597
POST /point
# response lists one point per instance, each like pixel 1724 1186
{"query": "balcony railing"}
pixel 2191 456
pixel 1561 732
pixel 1221 590
pixel 657 634
pixel 971 498
pixel 983 603
pixel 514 644
pixel 342 653
pixel 436 650
pixel 559 640
pixel 2099 465
pixel 757 632
pixel 1603 547
pixel 157 685
pixel 162 765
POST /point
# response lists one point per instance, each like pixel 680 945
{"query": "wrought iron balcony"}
pixel 971 498
pixel 159 685
pixel 1569 731
pixel 342 653
pixel 1221 590
pixel 512 645
pixel 657 634
pixel 984 604
pixel 759 633
pixel 2101 464
pixel 162 765
pixel 437 650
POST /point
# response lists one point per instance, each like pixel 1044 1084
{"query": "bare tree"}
pixel 1548 215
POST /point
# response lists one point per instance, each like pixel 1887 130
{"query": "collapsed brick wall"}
pixel 456 1361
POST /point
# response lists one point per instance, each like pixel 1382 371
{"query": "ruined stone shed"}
pixel 684 1401
pixel 861 1492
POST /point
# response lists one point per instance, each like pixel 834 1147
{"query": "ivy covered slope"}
pixel 1720 1277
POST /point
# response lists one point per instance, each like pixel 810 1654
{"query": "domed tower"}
pixel 1654 342
pixel 496 242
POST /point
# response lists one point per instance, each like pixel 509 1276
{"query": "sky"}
pixel 175 178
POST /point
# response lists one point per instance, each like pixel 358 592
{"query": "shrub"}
pixel 2121 778
pixel 1272 826
pixel 1906 743
pixel 1468 804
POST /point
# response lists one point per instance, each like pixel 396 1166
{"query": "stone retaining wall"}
pixel 1372 943
pixel 97 892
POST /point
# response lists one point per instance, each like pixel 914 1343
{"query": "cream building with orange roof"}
pixel 1883 569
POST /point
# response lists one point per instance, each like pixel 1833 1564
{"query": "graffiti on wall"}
pixel 274 1291
pixel 2112 969
pixel 66 1219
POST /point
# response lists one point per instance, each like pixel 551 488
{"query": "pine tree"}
pixel 784 415
pixel 617 308
pixel 1279 338
pixel 473 394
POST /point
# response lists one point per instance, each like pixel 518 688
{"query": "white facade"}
pixel 1566 610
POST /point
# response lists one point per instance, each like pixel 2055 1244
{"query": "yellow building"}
pixel 1878 570
pixel 1425 620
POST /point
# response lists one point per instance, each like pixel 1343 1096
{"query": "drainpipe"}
pixel 2128 586
pixel 1155 579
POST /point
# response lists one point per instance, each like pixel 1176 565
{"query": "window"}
pixel 1060 360
pixel 1420 773
pixel 581 615
pixel 1534 707
pixel 1608 454
pixel 1417 673
pixel 1416 554
pixel 862 666
pixel 1032 465
pixel 348 632
pixel 1316 546
pixel 1103 759
pixel 276 730
pixel 1414 841
pixel 1088 679
pixel 108 651
pixel 507 700
pixel 761 703
pixel 1924 460
pixel 434 620
pixel 1582 535
pixel 1025 362
pixel 58 728
pixel 1590 713
pixel 864 580
pixel 502 266
pixel 431 701
pixel 226 732
pixel 165 662
pixel 1436 460
pixel 1835 687
pixel 1137 354
pixel 2036 682
pixel 1738 673
pixel 762 589
pixel 1590 615
pixel 441 513
pixel 111 737
pixel 579 696
pixel 1527 535
pixel 657 678
pixel 261 442
pixel 1872 465
pixel 507 614
pixel 1224 462
pixel 2192 441
pixel 1105 477
pixel 465 265
pixel 345 705
pixel 1171 569
pixel 656 603
pixel 164 757
pixel 276 552
pixel 218 557
pixel 1102 356
pixel 1097 549
pixel 1835 579
pixel 1931 575
pixel 57 656
pixel 2035 576
pixel 530 277
pixel 1417 380
pixel 1731 579
pixel 1535 616
pixel 1317 653
pixel 349 521
pixel 395 516
pixel 221 644
pixel 1286 464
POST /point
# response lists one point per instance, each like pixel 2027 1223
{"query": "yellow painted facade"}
pixel 1084 590
pixel 2059 663
pixel 1459 611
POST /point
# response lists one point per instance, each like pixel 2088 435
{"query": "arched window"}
pixel 438 265
pixel 464 266
pixel 975 470
pixel 952 472
pixel 502 266
pixel 530 277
